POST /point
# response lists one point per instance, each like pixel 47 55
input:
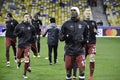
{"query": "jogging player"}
pixel 10 37
pixel 24 31
pixel 90 47
pixel 37 23
pixel 73 32
pixel 52 39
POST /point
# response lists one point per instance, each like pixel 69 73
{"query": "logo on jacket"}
pixel 71 26
pixel 79 26
pixel 28 28
pixel 93 23
pixel 11 23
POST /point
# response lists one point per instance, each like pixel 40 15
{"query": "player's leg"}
pixel 92 52
pixel 69 72
pixel 92 66
pixel 68 65
pixel 19 55
pixel 55 53
pixel 22 57
pixel 81 65
pixel 27 61
pixel 86 50
pixel 13 43
pixel 74 70
pixel 34 49
pixel 38 45
pixel 50 54
pixel 7 44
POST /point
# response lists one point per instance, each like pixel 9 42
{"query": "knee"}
pixel 92 58
pixel 26 59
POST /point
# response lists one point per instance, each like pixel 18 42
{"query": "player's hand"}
pixel 43 35
pixel 69 38
pixel 37 36
pixel 88 26
pixel 3 30
pixel 95 30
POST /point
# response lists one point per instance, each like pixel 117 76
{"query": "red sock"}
pixel 92 66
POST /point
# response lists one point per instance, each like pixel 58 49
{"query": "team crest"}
pixel 93 23
pixel 28 28
pixel 79 26
pixel 11 23
pixel 71 26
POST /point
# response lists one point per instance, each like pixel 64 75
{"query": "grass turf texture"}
pixel 107 65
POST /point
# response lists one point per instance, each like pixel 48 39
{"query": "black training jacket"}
pixel 25 33
pixel 53 34
pixel 10 26
pixel 91 34
pixel 37 24
pixel 73 32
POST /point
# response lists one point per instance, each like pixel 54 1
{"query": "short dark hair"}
pixel 36 16
pixel 25 14
pixel 52 20
pixel 9 15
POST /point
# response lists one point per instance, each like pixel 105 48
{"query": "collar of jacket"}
pixel 26 23
pixel 75 19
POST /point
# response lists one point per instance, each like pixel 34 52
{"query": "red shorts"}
pixel 26 51
pixel 90 48
pixel 10 41
pixel 69 61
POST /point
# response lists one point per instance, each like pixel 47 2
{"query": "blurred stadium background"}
pixel 107 11
pixel 60 9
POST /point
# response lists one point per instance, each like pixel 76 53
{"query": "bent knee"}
pixel 26 59
pixel 92 57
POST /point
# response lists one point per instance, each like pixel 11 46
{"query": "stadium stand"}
pixel 98 14
pixel 113 12
pixel 47 9
pixel 56 8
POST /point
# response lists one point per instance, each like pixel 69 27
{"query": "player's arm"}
pixel 16 22
pixel 95 28
pixel 62 35
pixel 86 35
pixel 17 30
pixel 45 32
pixel 4 29
pixel 34 34
pixel 40 25
pixel 40 22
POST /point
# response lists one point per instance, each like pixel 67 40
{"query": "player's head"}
pixel 88 13
pixel 52 20
pixel 26 18
pixel 75 12
pixel 36 17
pixel 9 16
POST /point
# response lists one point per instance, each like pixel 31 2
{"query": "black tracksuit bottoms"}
pixel 50 48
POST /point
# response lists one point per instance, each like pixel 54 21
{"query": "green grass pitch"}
pixel 107 65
